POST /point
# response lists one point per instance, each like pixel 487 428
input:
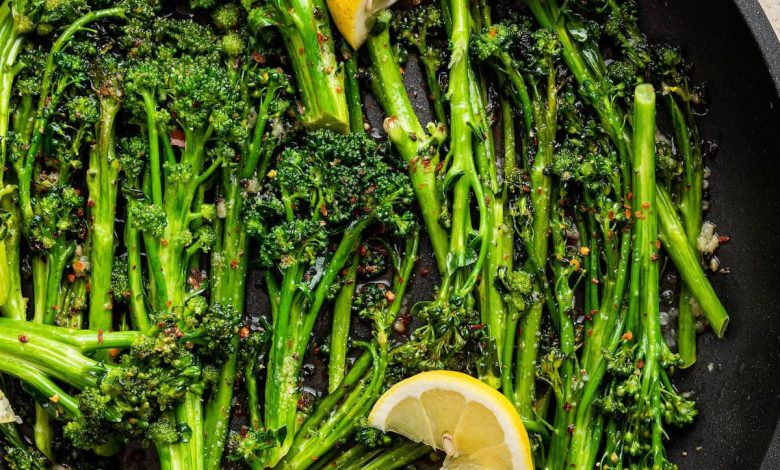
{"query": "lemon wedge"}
pixel 476 426
pixel 354 18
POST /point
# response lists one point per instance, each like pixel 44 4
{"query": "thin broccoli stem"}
pixel 545 111
pixel 153 138
pixel 137 301
pixel 492 307
pixel 15 305
pixel 354 102
pixel 686 260
pixel 102 182
pixel 398 457
pixel 418 147
pixel 82 340
pixel 339 337
pixel 318 74
pixel 506 242
pixel 30 375
pixel 686 138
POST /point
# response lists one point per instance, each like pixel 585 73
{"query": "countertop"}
pixel 772 10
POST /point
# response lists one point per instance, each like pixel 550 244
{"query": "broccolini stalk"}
pixel 102 184
pixel 544 111
pixel 687 139
pixel 264 100
pixel 339 337
pixel 328 426
pixel 184 100
pixel 417 145
pixel 646 230
pixel 306 30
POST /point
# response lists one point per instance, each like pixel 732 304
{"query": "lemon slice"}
pixel 354 18
pixel 476 426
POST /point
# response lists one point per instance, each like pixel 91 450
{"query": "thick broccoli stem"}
pixel 687 140
pixel 102 182
pixel 544 111
pixel 15 305
pixel 83 340
pixel 11 44
pixel 646 229
pixel 339 337
pixel 564 296
pixel 416 146
pixel 462 175
pixel 310 47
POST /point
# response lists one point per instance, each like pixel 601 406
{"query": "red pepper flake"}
pixel 570 428
pixel 723 239
pixel 658 244
pixel 640 364
pixel 100 336
pixel 654 257
pixel 23 339
pixel 71 277
pixel 628 214
pixel 424 271
pixel 244 431
pixel 164 242
pixel 645 205
pixel 113 353
pixel 169 304
pixel 590 331
pixel 594 281
pixel 629 195
pixel 390 296
pixel 233 263
pixel 611 215
pixel 90 203
pixel 178 139
pixel 243 333
pixel 258 58
pixel 321 38
pixel 477 327
pixel 567 406
pixel 639 215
